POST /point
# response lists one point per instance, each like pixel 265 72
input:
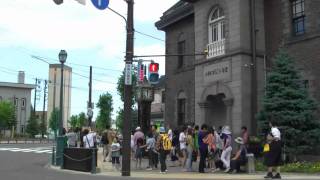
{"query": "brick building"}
pixel 225 85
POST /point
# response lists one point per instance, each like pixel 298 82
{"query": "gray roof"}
pixel 17 85
pixel 180 10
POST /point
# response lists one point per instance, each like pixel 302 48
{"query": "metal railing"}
pixel 216 49
pixel 25 141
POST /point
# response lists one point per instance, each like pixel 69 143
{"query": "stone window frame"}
pixel 181 49
pixel 220 21
pixel 181 98
pixel 298 17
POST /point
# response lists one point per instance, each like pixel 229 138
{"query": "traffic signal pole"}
pixel 128 94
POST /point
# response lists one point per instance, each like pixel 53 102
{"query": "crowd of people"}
pixel 216 149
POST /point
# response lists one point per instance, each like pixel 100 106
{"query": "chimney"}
pixel 21 77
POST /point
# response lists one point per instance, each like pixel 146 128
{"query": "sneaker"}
pixel 227 170
pixel 162 172
pixel 215 170
pixel 269 175
pixel 149 169
pixel 277 176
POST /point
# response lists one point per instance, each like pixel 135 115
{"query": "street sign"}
pixel 100 4
pixel 128 75
pixel 89 113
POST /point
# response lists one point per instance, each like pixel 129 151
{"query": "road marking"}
pixel 37 150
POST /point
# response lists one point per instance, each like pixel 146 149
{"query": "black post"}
pixel 44 126
pixel 254 88
pixel 35 98
pixel 90 95
pixel 61 102
pixel 128 94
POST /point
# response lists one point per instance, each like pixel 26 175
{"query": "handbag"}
pixel 266 148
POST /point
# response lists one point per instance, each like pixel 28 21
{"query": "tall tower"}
pixel 54 91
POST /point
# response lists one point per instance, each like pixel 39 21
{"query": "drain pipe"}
pixel 253 69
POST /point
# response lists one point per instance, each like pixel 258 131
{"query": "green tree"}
pixel 105 104
pixel 82 120
pixel 287 101
pixel 73 121
pixel 54 121
pixel 7 115
pixel 120 117
pixel 33 127
pixel 120 89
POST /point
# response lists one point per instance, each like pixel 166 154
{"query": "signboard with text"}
pixel 128 74
pixel 217 72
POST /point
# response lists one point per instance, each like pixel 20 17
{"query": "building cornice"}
pixel 177 12
pixel 17 85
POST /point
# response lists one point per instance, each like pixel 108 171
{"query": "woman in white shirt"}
pixel 183 146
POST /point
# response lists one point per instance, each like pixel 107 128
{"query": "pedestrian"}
pixel 240 157
pixel 196 143
pixel 150 148
pixel 105 144
pixel 190 149
pixel 175 147
pixel 154 130
pixel 115 153
pixel 245 135
pixel 138 138
pixel 170 132
pixel 226 150
pixel 274 160
pixel 183 146
pixel 163 147
pixel 72 138
pixel 203 148
pixel 111 134
pixel 89 138
pixel 211 143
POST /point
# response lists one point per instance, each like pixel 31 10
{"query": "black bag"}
pixel 194 156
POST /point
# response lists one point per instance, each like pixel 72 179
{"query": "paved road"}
pixel 19 165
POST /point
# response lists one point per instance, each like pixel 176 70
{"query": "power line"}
pixel 153 37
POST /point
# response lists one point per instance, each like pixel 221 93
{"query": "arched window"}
pixel 216 30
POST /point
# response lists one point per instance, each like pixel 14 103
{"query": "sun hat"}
pixel 239 140
pixel 226 130
pixel 138 128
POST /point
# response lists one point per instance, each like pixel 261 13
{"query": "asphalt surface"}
pixel 34 166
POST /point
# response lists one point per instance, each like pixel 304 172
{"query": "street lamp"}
pixel 60 139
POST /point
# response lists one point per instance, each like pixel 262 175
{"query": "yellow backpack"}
pixel 166 142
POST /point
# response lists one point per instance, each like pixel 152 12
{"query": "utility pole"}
pixel 35 98
pixel 89 102
pixel 128 93
pixel 44 125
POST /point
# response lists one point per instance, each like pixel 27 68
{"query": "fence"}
pixel 25 141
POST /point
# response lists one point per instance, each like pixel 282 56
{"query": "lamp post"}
pixel 60 138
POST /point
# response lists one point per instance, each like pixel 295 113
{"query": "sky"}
pixel 90 36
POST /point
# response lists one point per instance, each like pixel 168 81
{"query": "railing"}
pixel 25 141
pixel 216 49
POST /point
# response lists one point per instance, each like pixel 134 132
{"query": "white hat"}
pixel 226 130
pixel 138 128
pixel 239 140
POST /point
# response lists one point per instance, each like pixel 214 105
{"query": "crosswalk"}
pixel 37 150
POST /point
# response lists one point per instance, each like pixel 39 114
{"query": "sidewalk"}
pixel 106 168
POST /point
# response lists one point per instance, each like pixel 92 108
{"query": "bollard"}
pixel 53 156
pixel 250 164
pixel 93 164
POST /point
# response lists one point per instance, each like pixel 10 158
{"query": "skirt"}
pixel 273 157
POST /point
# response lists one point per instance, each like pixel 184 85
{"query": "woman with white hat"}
pixel 226 150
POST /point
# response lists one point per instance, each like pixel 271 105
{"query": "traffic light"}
pixel 153 73
pixel 58 2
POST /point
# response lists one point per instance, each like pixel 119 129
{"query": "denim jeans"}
pixel 189 159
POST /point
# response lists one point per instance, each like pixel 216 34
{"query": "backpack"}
pixel 166 142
